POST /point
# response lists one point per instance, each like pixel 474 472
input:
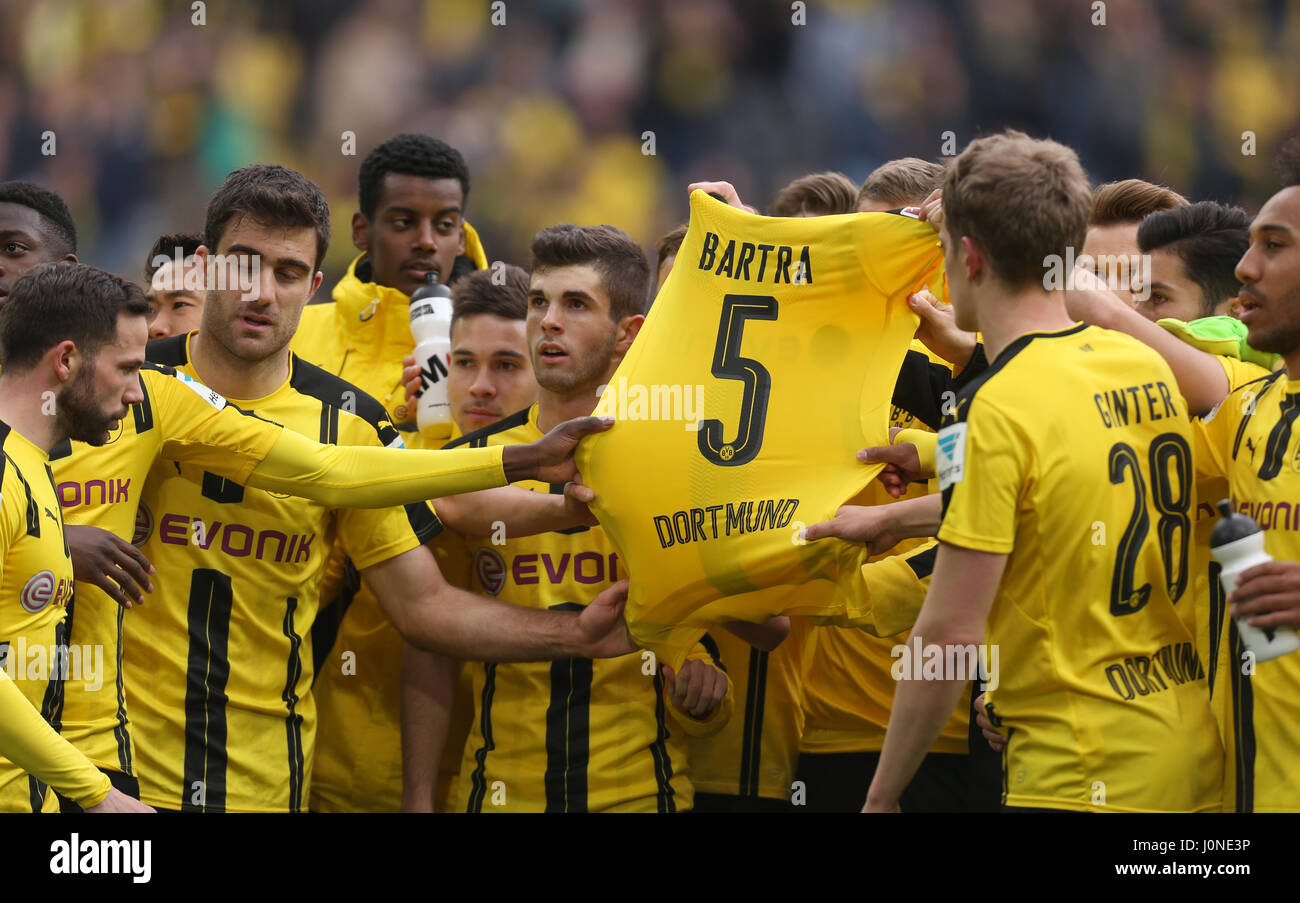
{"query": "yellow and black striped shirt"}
pixel 219 661
pixel 1249 440
pixel 1084 481
pixel 100 486
pixel 573 735
pixel 35 590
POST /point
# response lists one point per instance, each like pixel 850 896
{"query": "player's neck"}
pixel 235 377
pixel 1005 317
pixel 26 408
pixel 554 408
pixel 1292 362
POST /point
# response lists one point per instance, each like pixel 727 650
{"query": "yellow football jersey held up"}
pixel 572 735
pixel 1085 481
pixel 769 358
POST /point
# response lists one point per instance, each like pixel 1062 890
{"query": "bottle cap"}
pixel 432 288
pixel 1232 526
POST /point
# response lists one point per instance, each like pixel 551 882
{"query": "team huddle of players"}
pixel 301 604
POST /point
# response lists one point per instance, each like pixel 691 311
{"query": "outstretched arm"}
pixel 1200 377
pixel 367 477
pixel 434 615
pixel 514 512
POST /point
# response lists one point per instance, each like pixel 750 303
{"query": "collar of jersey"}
pixel 1018 343
pixel 246 404
pixel 36 449
pixel 359 302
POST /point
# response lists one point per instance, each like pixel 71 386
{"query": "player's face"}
pixel 256 328
pixel 174 309
pixel 92 405
pixel 1170 293
pixel 417 227
pixel 1270 275
pixel 1110 251
pixel 959 289
pixel 24 244
pixel 570 334
pixel 491 374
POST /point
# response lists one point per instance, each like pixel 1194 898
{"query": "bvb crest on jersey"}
pixel 793 332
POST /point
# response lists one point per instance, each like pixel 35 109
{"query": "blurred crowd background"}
pixel 150 111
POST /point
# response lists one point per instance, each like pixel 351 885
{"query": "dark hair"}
pixel 819 194
pixel 477 293
pixel 903 182
pixel 1209 238
pixel 1288 162
pixel 409 155
pixel 622 265
pixel 272 195
pixel 1021 199
pixel 670 244
pixel 52 208
pixel 166 246
pixel 1131 201
pixel 56 302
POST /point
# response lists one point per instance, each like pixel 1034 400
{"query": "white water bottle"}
pixel 1237 544
pixel 431 328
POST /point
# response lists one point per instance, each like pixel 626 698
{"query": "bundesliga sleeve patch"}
pixel 768 359
pixel 213 398
pixel 950 457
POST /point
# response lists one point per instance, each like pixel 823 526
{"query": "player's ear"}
pixel 971 257
pixel 628 327
pixel 66 358
pixel 360 231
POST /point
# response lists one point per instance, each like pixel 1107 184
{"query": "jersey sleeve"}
pixel 982 467
pixel 927 446
pixel 372 535
pixel 899 252
pixel 1214 435
pixel 706 650
pixel 372 476
pixel 31 744
pixel 896 587
pixel 924 381
pixel 1240 373
pixel 202 429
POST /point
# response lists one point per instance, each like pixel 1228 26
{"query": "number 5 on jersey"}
pixel 728 364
